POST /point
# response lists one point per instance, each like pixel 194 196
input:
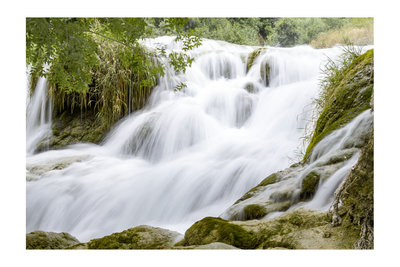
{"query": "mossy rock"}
pixel 348 98
pixel 309 185
pixel 257 211
pixel 358 199
pixel 265 72
pixel 340 157
pixel 300 229
pixel 140 237
pixel 72 128
pixel 252 57
pixel 214 245
pixel 211 229
pixel 49 240
pixel 254 211
pixel 249 87
pixel 37 170
pixel 271 179
pixel 277 232
pixel 280 196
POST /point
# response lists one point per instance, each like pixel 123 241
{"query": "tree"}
pixel 287 31
pixel 100 64
pixel 65 50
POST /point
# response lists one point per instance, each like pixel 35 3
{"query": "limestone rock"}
pixel 211 229
pixel 140 237
pixel 49 240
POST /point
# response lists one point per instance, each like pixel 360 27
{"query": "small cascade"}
pixel 38 117
pixel 331 160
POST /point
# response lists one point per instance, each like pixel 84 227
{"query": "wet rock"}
pixel 309 185
pixel 36 170
pixel 253 56
pixel 214 245
pixel 140 237
pixel 49 240
pixel 211 229
pixel 76 128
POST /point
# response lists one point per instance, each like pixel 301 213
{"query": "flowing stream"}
pixel 187 154
pixel 38 118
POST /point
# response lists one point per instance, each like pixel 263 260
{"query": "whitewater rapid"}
pixel 187 154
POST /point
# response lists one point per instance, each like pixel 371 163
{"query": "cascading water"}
pixel 188 154
pixel 38 118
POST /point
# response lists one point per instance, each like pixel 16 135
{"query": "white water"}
pixel 341 143
pixel 187 155
pixel 38 118
pixel 346 137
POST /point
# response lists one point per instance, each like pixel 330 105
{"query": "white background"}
pixel 12 131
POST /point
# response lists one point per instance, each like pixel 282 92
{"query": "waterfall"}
pixel 187 154
pixel 38 117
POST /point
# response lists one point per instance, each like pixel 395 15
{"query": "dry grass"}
pixel 349 35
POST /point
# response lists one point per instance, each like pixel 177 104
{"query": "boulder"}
pixel 212 229
pixel 140 237
pixel 49 240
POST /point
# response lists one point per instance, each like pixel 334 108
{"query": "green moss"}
pixel 180 243
pixel 252 57
pixel 249 87
pixel 78 246
pixel 284 206
pixel 340 158
pixel 49 240
pixel 280 243
pixel 358 196
pixel 135 238
pixel 294 165
pixel 348 97
pixel 211 229
pixel 278 232
pixel 77 127
pixel 279 196
pixel 265 71
pixel 271 179
pixel 254 211
pixel 305 218
pixel 309 185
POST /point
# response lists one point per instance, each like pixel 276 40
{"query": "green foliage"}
pixel 272 31
pixel 180 86
pixel 69 47
pixel 233 30
pixel 99 63
pixel 287 31
pixel 64 46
